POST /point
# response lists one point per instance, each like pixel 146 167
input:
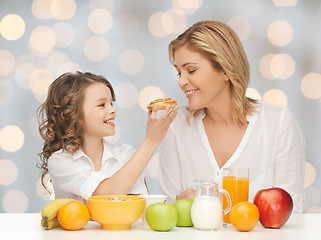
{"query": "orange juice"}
pixel 238 188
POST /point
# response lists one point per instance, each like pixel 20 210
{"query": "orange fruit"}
pixel 244 216
pixel 73 215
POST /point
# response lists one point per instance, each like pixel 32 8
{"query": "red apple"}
pixel 275 206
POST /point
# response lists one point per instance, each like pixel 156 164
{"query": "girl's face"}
pixel 98 112
pixel 202 84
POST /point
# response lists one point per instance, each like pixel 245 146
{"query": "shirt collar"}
pixel 107 154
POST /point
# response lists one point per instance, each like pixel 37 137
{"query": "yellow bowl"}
pixel 115 215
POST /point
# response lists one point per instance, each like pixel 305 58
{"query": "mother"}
pixel 221 127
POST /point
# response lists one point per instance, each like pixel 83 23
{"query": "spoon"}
pixel 145 181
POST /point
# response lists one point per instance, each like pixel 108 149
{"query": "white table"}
pixel 27 225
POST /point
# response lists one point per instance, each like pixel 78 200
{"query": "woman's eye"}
pixel 191 71
pixel 178 74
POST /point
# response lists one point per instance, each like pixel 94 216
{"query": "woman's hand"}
pixel 157 128
pixel 188 194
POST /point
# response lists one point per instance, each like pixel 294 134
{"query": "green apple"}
pixel 183 208
pixel 161 216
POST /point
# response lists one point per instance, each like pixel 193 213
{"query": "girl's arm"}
pixel 124 179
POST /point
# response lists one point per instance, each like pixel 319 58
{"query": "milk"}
pixel 207 212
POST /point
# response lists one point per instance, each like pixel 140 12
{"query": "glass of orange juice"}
pixel 236 183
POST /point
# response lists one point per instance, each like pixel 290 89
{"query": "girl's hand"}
pixel 157 128
pixel 188 194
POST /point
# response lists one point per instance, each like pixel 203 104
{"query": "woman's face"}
pixel 98 112
pixel 202 84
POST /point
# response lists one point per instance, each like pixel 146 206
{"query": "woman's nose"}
pixel 182 81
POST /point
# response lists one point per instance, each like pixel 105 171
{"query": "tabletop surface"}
pixel 21 225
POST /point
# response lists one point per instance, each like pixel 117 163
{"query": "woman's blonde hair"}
pixel 222 47
pixel 59 115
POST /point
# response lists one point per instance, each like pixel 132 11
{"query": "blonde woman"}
pixel 221 127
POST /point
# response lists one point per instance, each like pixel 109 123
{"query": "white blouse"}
pixel 273 148
pixel 74 175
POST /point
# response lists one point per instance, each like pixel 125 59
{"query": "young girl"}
pixel 76 116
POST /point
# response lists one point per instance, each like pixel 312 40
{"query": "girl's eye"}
pixel 101 105
pixel 191 71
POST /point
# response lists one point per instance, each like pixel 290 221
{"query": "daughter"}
pixel 76 116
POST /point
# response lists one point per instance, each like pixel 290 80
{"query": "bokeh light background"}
pixel 126 41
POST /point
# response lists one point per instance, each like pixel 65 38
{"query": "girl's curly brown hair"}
pixel 59 115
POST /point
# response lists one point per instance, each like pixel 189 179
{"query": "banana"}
pixel 50 223
pixel 50 211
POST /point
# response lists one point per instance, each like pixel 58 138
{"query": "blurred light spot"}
pixel 167 22
pixel 7 62
pixel 42 192
pixel 41 9
pixel 127 95
pixel 282 66
pixel 285 3
pixel 312 198
pixel 147 95
pixel 12 27
pixel 104 4
pixel 131 61
pixel 152 166
pixel 276 97
pixel 160 24
pixel 179 19
pixel 96 49
pixel 188 6
pixel 113 139
pixel 253 93
pixel 265 66
pixel 311 85
pixel 100 21
pixel 15 201
pixel 11 138
pixel 65 34
pixel 39 82
pixel 42 40
pixel 241 26
pixel 310 174
pixel 63 9
pixel 8 172
pixel 280 33
pixel 6 92
pixel 69 67
pixel 27 58
pixel 55 61
pixel 23 72
pixel 126 25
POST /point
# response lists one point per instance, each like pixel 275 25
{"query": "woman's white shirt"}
pixel 273 148
pixel 74 175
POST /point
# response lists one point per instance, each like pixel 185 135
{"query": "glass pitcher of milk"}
pixel 207 210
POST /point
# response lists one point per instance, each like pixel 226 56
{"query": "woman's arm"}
pixel 123 180
pixel 290 162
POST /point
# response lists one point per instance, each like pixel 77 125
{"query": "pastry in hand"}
pixel 161 103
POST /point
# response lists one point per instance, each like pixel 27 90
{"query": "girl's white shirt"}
pixel 74 175
pixel 273 148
